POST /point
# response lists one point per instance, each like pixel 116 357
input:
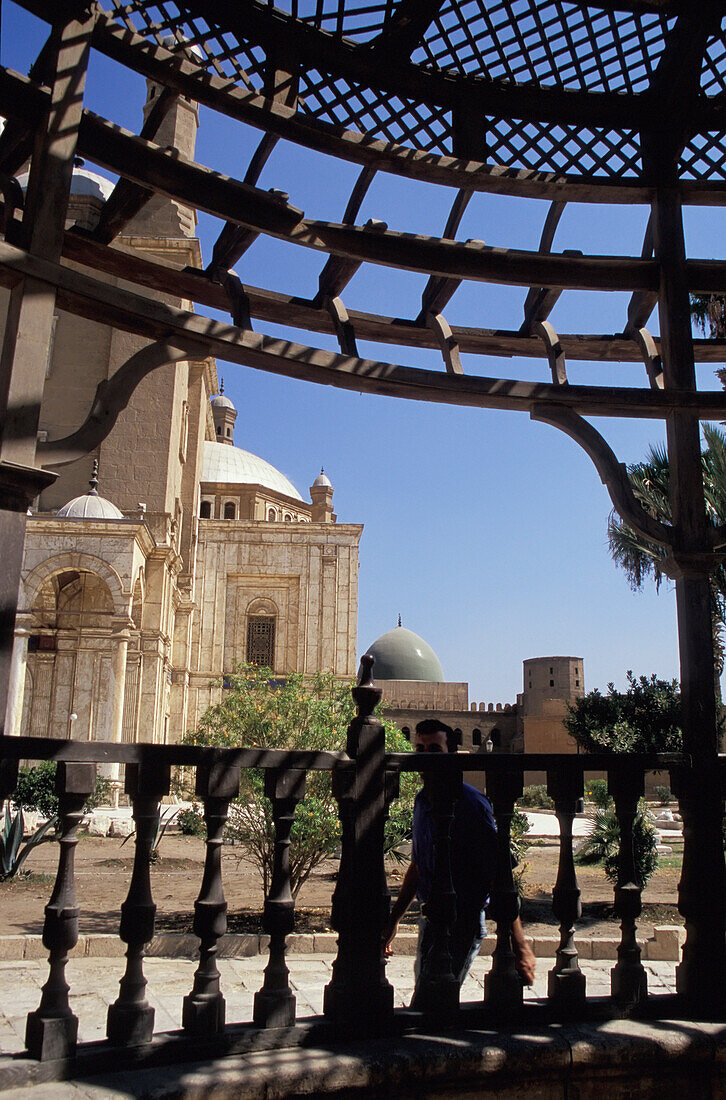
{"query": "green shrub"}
pixel 602 845
pixel 536 797
pixel 35 790
pixel 598 793
pixel 13 852
pixel 191 821
pixel 663 794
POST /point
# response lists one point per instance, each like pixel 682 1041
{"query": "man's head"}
pixel 433 735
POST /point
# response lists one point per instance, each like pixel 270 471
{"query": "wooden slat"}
pixel 115 306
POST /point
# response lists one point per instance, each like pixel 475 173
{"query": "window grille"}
pixel 261 641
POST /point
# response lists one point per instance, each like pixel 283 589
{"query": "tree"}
pixel 295 712
pixel 709 313
pixel 645 718
pixel 642 559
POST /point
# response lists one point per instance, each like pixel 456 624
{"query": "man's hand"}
pixel 525 963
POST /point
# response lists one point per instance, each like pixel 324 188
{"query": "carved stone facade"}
pixel 203 554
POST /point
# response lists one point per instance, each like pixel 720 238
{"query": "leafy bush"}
pixel 296 712
pixel 602 845
pixel 663 794
pixel 13 852
pixel 191 821
pixel 598 793
pixel 645 718
pixel 536 797
pixel 35 790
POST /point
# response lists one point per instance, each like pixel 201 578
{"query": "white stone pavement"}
pixel 94 985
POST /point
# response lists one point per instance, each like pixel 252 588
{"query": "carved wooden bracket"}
pixel 448 344
pixel 613 474
pixel 651 358
pixel 554 349
pixel 343 327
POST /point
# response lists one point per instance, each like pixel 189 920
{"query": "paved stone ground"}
pixel 94 985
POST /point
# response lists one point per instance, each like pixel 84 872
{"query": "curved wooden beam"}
pixel 651 358
pixel 179 178
pixel 613 474
pixel 447 342
pixel 156 320
pixel 112 397
pixel 283 309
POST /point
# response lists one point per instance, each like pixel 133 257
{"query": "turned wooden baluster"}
pixel 130 1019
pixel 203 1009
pixel 52 1030
pixel 628 980
pixel 358 997
pixel 566 982
pixel 502 985
pixel 275 1002
pixel 437 993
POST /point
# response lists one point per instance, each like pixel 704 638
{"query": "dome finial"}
pixel 93 491
pixel 221 386
pixel 399 618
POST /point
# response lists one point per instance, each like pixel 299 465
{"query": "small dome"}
pixel 84 182
pixel 231 465
pixel 322 480
pixel 219 401
pixel 402 655
pixel 90 505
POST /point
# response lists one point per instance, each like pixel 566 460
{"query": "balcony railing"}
pixel 358 998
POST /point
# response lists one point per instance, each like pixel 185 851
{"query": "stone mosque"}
pixel 155 564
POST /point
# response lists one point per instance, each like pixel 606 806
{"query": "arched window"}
pixel 229 510
pixel 205 509
pixel 261 640
pixel 288 518
pixel 495 737
pixel 476 737
pixel 457 734
pixel 272 515
pixel 219 429
pixel 406 733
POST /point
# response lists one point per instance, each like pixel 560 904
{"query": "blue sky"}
pixel 485 530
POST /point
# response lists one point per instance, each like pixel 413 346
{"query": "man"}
pixel 473 861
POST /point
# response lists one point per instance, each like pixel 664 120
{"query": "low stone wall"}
pixel 665 946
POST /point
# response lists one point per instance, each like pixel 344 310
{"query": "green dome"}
pixel 402 655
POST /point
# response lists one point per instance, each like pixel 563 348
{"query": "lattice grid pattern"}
pixel 376 113
pixel 211 46
pixel 261 641
pixel 713 76
pixel 358 20
pixel 554 43
pixel 705 157
pixel 563 149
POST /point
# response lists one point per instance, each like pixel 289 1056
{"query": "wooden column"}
pixel 701 977
pixel 628 980
pixel 131 1018
pixel 204 1008
pixel 275 1002
pixel 502 985
pixel 358 997
pixel 565 981
pixel 29 319
pixel 437 992
pixel 52 1030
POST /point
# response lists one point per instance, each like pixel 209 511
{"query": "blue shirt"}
pixel 473 848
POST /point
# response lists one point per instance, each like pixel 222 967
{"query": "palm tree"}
pixel 642 559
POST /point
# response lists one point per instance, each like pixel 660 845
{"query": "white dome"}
pixel 89 506
pixel 232 465
pixel 322 480
pixel 84 182
pixel 219 401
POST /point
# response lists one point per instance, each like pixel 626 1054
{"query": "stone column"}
pixel 16 684
pixel 118 665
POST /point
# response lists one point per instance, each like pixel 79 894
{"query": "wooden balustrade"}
pixel 275 1002
pixel 131 1018
pixel 566 982
pixel 52 1030
pixel 204 1008
pixel 358 997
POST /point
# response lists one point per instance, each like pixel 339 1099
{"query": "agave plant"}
pixel 13 852
pixel 166 818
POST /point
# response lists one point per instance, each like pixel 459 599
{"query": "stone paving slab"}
pixel 94 986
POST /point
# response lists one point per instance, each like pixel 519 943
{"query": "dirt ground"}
pixel 103 872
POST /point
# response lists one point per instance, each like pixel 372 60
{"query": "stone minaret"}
pixel 321 494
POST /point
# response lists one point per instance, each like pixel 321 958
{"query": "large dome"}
pixel 231 465
pixel 402 655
